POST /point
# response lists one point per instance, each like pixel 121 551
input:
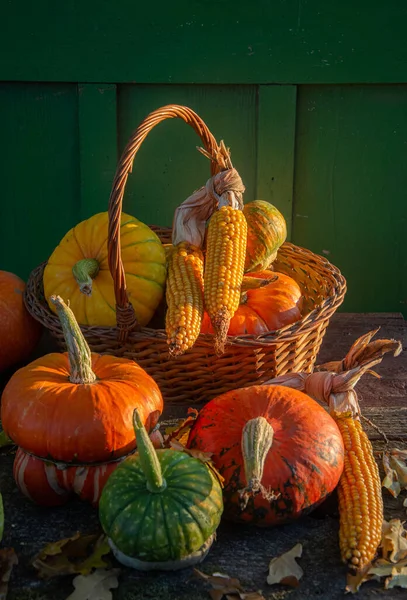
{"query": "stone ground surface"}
pixel 239 551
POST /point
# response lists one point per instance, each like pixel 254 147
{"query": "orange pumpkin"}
pixel 76 407
pixel 19 332
pixel 274 301
pixel 279 452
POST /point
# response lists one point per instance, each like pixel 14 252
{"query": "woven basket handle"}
pixel 125 316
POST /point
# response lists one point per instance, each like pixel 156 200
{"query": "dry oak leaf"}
pixel 395 468
pixel 284 569
pixel 227 587
pixel 398 579
pixel 8 558
pixel 77 554
pixel 394 541
pixel 96 586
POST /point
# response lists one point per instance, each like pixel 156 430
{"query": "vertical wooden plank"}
pixel 39 171
pixel 275 147
pixel 350 188
pixel 97 145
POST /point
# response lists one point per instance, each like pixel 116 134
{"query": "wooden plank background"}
pixel 76 80
pixel 204 41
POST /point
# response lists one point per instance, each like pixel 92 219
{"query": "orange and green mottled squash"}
pixel 266 231
pixel 78 270
pixel 280 454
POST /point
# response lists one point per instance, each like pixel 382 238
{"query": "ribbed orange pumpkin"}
pixel 276 303
pixel 279 452
pixel 266 231
pixel 19 332
pixel 77 407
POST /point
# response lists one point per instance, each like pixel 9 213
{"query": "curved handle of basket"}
pixel 126 319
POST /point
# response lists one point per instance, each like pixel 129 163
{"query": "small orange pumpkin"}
pixel 270 301
pixel 75 408
pixel 19 332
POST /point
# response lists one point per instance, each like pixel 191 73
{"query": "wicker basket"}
pixel 199 374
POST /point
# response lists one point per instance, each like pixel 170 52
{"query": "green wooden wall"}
pixel 311 96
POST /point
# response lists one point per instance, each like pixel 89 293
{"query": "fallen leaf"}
pixel 96 586
pixel 395 468
pixel 284 569
pixel 181 430
pixel 383 568
pixel 77 554
pixel 228 587
pixel 8 558
pixel 398 579
pixel 394 542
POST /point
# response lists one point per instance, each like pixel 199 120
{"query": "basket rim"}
pixel 311 320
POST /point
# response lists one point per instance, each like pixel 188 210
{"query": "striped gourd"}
pixel 160 506
pixel 266 231
pixel 50 485
pixel 224 268
pixel 184 295
pixel 360 497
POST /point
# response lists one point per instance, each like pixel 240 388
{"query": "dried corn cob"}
pixel 184 295
pixel 360 497
pixel 224 267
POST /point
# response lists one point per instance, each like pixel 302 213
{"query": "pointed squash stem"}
pixel 148 457
pixel 80 356
pixel 257 439
pixel 84 272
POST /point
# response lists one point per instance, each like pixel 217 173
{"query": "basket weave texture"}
pixel 199 375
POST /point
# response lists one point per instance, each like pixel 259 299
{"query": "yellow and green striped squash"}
pixel 78 270
pixel 266 231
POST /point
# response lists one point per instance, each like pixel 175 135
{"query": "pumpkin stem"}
pixel 85 271
pixel 148 457
pixel 257 438
pixel 80 356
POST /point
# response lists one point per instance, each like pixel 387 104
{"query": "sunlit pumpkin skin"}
pixel 265 308
pixel 143 257
pixel 160 506
pixel 266 232
pixel 47 415
pixel 19 332
pixel 304 463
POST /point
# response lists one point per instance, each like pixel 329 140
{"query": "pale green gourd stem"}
pixel 257 439
pixel 85 271
pixel 80 356
pixel 148 457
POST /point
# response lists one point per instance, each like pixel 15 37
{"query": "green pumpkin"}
pixel 160 506
pixel 266 231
